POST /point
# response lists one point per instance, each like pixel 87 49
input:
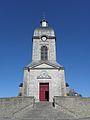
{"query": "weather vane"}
pixel 44 17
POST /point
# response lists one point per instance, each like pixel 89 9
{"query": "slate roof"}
pixel 48 31
pixel 34 64
pixel 44 30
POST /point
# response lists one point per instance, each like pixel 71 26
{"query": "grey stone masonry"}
pixel 43 111
pixel 9 107
pixel 49 43
pixel 44 68
pixel 78 106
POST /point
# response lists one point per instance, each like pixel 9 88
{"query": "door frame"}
pixel 44 83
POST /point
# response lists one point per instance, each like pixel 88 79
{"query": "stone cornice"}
pixel 28 68
pixel 39 37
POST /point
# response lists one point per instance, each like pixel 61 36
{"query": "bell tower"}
pixel 44 43
pixel 44 77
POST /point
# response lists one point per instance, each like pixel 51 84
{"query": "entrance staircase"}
pixel 43 111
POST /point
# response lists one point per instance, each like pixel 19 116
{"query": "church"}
pixel 44 78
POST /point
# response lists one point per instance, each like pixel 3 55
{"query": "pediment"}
pixel 44 65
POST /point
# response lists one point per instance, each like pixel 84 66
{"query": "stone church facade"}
pixel 44 78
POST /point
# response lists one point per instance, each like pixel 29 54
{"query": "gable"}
pixel 43 65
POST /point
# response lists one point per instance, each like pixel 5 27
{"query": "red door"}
pixel 44 92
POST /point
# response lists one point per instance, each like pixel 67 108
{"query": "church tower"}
pixel 44 43
pixel 44 77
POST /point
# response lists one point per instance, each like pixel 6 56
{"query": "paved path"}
pixel 45 111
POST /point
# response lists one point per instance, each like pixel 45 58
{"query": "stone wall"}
pixel 40 75
pixel 77 106
pixel 9 107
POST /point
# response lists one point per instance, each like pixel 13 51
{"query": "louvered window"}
pixel 44 53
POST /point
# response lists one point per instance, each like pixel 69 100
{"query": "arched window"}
pixel 44 53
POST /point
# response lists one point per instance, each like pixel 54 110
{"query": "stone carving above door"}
pixel 44 75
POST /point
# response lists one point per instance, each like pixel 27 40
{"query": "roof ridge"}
pixel 34 64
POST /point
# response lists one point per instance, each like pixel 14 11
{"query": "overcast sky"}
pixel 71 22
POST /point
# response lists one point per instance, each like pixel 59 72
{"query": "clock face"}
pixel 44 38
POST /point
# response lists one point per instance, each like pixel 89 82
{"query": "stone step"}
pixel 47 119
pixel 45 111
pixel 43 119
pixel 43 105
